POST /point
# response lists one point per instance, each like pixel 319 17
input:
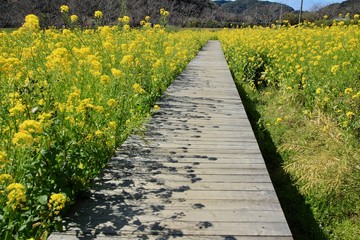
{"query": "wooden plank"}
pixel 263 195
pixel 135 235
pixel 209 204
pixel 212 186
pixel 199 215
pixel 203 178
pixel 224 216
pixel 215 158
pixel 222 228
pixel 203 171
pixel 183 229
pixel 191 166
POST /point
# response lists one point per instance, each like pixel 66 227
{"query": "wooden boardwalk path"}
pixel 197 173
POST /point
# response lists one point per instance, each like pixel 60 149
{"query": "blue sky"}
pixel 308 4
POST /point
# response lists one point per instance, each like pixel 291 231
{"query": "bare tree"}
pixel 267 14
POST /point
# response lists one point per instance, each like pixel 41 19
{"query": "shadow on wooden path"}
pixel 197 173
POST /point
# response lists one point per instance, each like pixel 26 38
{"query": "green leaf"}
pixel 58 226
pixel 43 199
pixel 22 227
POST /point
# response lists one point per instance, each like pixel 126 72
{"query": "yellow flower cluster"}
pixel 16 197
pixel 27 129
pixel 31 126
pixel 31 23
pixel 305 62
pixel 56 203
pixel 69 96
pixel 156 107
pixel 73 18
pixel 64 9
pixel 163 12
pixel 22 138
pixel 3 159
pixel 98 14
pixel 59 60
pixel 137 88
pixel 116 73
pixel 19 108
pixel 5 178
pixel 127 59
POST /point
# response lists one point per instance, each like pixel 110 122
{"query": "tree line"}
pixel 13 12
pixel 183 13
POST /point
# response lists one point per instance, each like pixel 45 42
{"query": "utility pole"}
pixel 301 10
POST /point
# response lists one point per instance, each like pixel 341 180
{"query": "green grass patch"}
pixel 7 30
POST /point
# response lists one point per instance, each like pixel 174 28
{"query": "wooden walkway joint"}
pixel 197 173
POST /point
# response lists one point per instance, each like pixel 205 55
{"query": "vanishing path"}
pixel 196 173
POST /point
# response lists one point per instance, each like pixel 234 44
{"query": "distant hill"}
pixel 350 6
pixel 256 12
pixel 333 11
pixel 221 2
pixel 240 6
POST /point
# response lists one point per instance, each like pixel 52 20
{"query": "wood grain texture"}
pixel 195 173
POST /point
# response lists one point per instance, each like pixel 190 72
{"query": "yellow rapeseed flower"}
pixel 112 125
pixel 105 79
pixel 126 19
pixel 17 195
pixel 22 138
pixel 98 14
pixel 31 126
pixel 64 9
pixel 73 18
pixel 31 23
pixel 81 166
pixel 137 88
pixel 43 117
pixel 348 90
pixel 17 109
pixel 335 69
pixel 84 105
pixel 5 178
pixel 356 96
pixel 116 73
pixel 127 59
pixel 99 133
pixel 112 102
pixel 350 114
pixel 163 12
pixel 278 120
pixel 57 202
pixel 2 156
pixel 126 27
